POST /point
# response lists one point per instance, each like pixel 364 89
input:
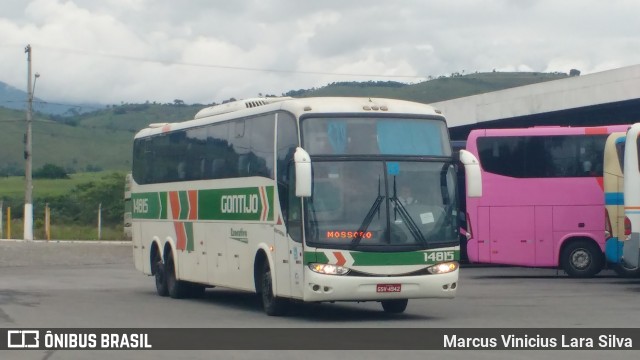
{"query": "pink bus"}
pixel 542 201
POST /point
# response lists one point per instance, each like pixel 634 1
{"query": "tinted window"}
pixel 387 136
pixel 543 156
pixel 237 148
pixel 289 203
pixel 620 152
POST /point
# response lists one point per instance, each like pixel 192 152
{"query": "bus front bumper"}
pixel 321 287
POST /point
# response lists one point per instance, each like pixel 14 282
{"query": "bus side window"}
pixel 218 169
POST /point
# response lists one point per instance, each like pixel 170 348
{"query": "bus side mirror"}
pixel 303 172
pixel 472 173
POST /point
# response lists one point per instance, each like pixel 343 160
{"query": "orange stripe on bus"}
pixel 174 199
pixel 193 204
pixel 596 131
pixel 181 241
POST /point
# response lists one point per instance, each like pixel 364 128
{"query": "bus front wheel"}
pixel 394 306
pixel 271 304
pixel 581 259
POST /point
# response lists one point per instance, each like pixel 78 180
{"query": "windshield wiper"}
pixel 406 217
pixel 367 219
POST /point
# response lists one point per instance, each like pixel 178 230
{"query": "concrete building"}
pixel 608 97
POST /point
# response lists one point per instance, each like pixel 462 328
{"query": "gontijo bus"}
pixel 299 199
pixel 542 202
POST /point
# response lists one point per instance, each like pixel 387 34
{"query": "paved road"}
pixel 84 285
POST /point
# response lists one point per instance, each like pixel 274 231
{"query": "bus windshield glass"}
pixel 371 188
pixel 375 136
pixel 382 205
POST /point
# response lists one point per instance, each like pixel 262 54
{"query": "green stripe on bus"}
pixel 429 257
pixel 184 205
pixel 315 257
pixel 241 204
pixel 404 258
pixel 188 228
pixel 270 197
pixel 234 204
pixel 151 205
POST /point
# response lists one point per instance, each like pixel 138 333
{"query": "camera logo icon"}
pixel 23 339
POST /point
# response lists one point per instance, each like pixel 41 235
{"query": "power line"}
pixel 216 66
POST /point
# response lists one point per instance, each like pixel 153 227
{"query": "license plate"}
pixel 386 288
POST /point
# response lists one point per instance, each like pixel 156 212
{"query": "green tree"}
pixel 50 171
pixel 80 206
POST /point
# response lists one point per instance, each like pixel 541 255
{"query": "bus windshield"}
pixel 363 200
pixel 382 205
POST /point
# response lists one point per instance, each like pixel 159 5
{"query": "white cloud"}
pixel 90 50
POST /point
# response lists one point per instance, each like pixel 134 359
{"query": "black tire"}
pixel 394 306
pixel 271 304
pixel 160 276
pixel 177 289
pixel 582 259
pixel 625 272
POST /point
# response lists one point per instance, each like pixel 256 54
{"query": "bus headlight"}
pixel 443 268
pixel 328 269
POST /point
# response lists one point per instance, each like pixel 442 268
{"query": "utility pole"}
pixel 28 196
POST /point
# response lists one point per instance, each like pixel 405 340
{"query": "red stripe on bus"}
pixel 265 205
pixel 181 237
pixel 174 199
pixel 596 131
pixel 193 204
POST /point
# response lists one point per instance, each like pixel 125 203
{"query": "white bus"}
pixel 631 250
pixel 127 207
pixel 313 200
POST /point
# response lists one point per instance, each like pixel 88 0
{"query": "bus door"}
pixel 288 241
pixel 512 235
pixel 282 258
pixel 483 238
pixel 294 239
pixel 544 236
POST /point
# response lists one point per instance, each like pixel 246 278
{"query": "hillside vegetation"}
pixel 102 140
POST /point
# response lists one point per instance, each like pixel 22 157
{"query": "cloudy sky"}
pixel 200 51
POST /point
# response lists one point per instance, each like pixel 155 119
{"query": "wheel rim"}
pixel 580 259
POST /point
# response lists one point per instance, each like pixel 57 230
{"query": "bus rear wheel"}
pixel 177 289
pixel 394 306
pixel 272 305
pixel 160 276
pixel 581 259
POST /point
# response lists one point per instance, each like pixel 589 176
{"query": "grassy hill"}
pixel 97 141
pixel 102 140
pixel 443 88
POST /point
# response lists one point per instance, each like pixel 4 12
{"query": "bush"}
pixel 50 171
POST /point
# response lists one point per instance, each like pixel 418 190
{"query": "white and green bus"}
pixel 312 200
pixel 631 250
